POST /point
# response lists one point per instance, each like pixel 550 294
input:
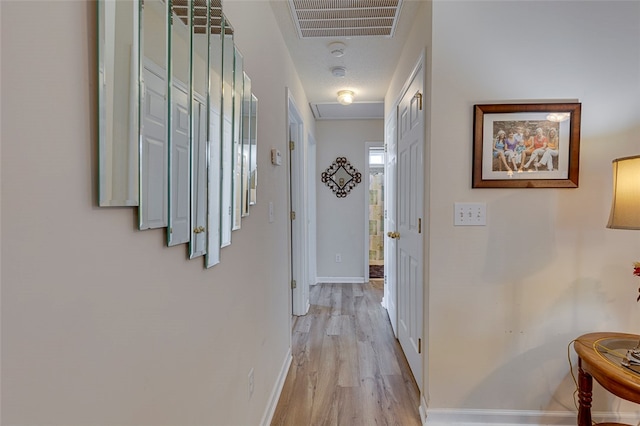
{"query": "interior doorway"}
pixel 375 213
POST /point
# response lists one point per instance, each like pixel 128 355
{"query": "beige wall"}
pixel 505 300
pixel 341 221
pixel 103 324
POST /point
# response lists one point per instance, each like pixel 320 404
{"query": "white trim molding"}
pixel 422 409
pixel 270 410
pixel 447 417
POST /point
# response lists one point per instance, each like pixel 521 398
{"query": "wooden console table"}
pixel 599 358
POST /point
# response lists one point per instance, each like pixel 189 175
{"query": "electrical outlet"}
pixel 470 214
pixel 338 258
pixel 251 383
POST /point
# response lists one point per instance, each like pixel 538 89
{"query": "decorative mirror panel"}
pixel 178 231
pixel 154 151
pixel 215 136
pixel 200 29
pixel 246 141
pixel 253 142
pixel 177 120
pixel 341 177
pixel 119 69
pixel 228 54
pixel 238 85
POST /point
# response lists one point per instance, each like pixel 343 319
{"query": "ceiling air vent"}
pixel 345 18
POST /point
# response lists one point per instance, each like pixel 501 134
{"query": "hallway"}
pixel 348 368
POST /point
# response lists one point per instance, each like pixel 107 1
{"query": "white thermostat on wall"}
pixel 276 157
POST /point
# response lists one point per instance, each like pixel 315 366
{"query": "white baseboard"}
pixel 341 280
pixel 447 417
pixel 276 391
pixel 423 410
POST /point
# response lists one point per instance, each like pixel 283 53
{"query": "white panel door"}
pixel 390 247
pixel 409 223
pixel 154 154
pixel 198 242
pixel 179 220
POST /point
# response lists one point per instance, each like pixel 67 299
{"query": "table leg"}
pixel 585 385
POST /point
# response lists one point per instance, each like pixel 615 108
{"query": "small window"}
pixel 376 157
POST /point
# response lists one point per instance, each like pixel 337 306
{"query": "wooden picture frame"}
pixel 546 152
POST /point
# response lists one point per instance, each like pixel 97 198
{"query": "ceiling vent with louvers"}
pixel 345 18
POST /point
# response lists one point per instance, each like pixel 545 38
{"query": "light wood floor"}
pixel 348 368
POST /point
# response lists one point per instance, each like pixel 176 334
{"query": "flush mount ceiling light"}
pixel 338 71
pixel 337 49
pixel 345 97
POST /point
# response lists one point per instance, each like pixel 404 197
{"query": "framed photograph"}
pixel 526 145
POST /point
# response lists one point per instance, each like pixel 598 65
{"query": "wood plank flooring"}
pixel 348 368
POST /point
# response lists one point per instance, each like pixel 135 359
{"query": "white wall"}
pixel 103 324
pixel 340 221
pixel 505 300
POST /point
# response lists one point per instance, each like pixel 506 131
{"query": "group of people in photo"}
pixel 517 149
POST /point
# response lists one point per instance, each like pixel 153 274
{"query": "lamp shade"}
pixel 625 206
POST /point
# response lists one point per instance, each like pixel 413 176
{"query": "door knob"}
pixel 393 235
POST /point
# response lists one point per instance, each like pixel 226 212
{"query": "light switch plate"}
pixel 470 214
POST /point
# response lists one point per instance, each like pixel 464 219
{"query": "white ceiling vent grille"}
pixel 345 18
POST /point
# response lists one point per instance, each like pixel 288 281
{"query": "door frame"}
pixel 367 189
pixel 297 183
pixel 390 294
pixel 310 172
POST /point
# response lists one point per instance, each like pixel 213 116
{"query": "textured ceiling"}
pixel 369 61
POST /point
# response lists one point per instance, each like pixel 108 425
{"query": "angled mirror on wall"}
pixel 200 29
pixel 238 85
pixel 253 149
pixel 154 151
pixel 178 231
pixel 228 53
pixel 177 120
pixel 246 142
pixel 214 135
pixel 118 68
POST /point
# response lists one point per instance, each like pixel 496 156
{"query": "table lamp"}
pixel 625 209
